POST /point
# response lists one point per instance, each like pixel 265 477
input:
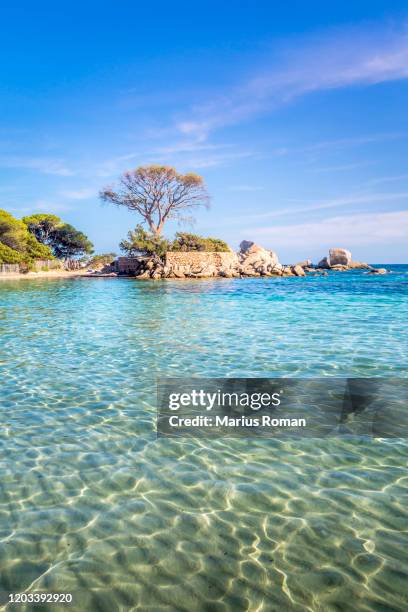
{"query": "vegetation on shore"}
pixel 192 242
pixel 17 244
pixel 139 241
pixel 99 261
pixel 39 236
pixel 64 241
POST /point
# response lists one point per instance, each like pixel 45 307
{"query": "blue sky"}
pixel 295 115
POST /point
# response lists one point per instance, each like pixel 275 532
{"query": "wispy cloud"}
pixel 338 144
pixel 353 141
pixel 189 146
pixel 327 204
pixel 195 154
pixel 186 155
pixel 49 206
pixel 345 231
pixel 343 167
pixel 245 188
pixel 341 58
pixel 44 165
pixel 79 194
pixel 387 179
pixel 112 166
pixel 211 161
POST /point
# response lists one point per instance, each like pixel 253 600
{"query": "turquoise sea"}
pixel 93 504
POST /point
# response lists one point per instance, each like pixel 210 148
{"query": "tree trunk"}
pixel 156 230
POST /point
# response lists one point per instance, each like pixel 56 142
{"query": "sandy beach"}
pixel 48 274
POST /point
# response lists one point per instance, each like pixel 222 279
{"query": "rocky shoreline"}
pixel 252 260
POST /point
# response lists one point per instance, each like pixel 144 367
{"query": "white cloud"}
pixel 184 155
pixel 221 159
pixel 189 147
pixel 49 207
pixel 245 188
pixel 44 165
pixel 343 167
pixel 340 58
pixel 387 179
pixel 79 194
pixel 344 231
pixel 334 203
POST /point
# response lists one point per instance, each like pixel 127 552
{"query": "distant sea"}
pixel 93 504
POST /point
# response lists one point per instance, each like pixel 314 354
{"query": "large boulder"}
pixel 359 265
pixel 324 263
pixel 255 260
pixel 245 245
pixel 339 257
pixel 378 271
pixel 298 270
pixel 304 264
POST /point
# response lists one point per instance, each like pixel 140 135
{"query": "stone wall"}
pixel 128 265
pixel 200 262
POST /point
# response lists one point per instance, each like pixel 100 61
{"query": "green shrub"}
pixel 141 242
pixel 185 241
pixel 101 260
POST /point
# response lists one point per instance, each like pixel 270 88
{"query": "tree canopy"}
pixel 42 226
pixel 13 232
pixel 39 236
pixel 158 193
pixel 17 244
pixel 68 243
pixel 63 239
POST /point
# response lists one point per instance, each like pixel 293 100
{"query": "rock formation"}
pixel 341 260
pixel 252 260
pixel 305 264
pixel 378 271
pixel 339 257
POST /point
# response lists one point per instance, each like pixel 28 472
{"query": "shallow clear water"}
pixel 93 504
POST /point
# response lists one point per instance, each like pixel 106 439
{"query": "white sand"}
pixel 48 274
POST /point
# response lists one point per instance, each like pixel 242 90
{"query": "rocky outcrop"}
pixel 305 264
pixel 254 260
pixel 324 264
pixel 341 257
pixel 298 270
pixel 378 271
pixel 359 265
pixel 341 260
